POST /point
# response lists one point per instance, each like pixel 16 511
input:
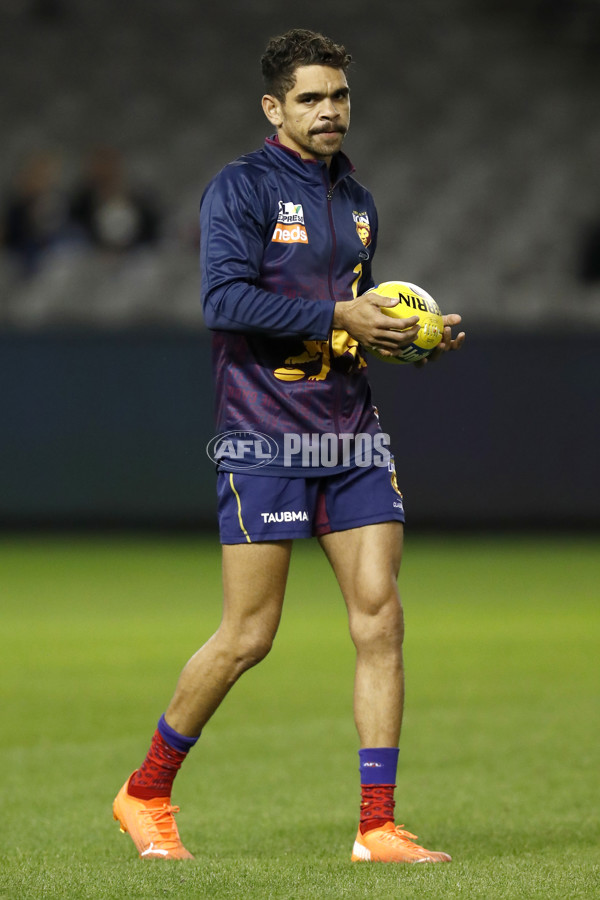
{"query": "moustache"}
pixel 330 129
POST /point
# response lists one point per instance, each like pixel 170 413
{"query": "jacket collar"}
pixel 313 170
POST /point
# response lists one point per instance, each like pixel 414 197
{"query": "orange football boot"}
pixel 150 824
pixel 391 843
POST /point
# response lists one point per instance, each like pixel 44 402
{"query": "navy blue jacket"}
pixel 282 239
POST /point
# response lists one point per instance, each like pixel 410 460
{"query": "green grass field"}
pixel 500 749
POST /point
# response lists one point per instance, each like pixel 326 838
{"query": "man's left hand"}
pixel 447 342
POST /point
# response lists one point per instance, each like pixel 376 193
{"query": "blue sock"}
pixel 378 765
pixel 180 742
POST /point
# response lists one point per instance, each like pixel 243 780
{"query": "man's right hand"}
pixel 363 319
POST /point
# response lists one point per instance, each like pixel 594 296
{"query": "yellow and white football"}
pixel 413 301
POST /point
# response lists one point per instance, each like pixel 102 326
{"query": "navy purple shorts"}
pixel 272 508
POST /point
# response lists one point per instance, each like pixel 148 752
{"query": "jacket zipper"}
pixel 336 399
pixel 333 240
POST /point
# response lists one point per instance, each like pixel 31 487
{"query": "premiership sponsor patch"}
pixel 290 228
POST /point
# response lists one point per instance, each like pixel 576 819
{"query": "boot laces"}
pixel 405 836
pixel 163 822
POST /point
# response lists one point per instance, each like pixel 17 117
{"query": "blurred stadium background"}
pixel 477 127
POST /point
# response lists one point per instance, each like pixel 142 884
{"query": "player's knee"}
pixel 252 647
pixel 378 622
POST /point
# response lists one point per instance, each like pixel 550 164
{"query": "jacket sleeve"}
pixel 232 236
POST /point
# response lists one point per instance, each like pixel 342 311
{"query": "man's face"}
pixel 315 115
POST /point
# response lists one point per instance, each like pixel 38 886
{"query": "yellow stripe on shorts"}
pixel 239 506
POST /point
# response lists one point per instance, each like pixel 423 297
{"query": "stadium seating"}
pixel 476 133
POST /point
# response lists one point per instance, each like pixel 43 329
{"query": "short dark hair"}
pixel 298 47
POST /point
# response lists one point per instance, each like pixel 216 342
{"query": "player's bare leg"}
pixel 366 562
pixel 254 580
